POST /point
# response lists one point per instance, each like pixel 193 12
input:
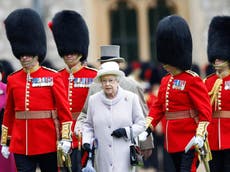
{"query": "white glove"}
pixel 143 136
pixel 5 151
pixel 199 141
pixel 65 146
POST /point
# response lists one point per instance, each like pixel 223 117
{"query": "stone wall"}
pixel 198 13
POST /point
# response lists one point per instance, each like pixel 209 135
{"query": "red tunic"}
pixel 45 91
pixel 151 98
pixel 219 128
pixel 182 92
pixel 77 88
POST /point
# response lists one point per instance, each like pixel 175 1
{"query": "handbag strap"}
pixel 131 135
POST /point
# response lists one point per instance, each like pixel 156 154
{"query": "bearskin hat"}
pixel 26 33
pixel 219 39
pixel 70 33
pixel 174 42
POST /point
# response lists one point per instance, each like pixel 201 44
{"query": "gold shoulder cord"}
pixel 214 92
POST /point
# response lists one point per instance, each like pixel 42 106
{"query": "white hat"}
pixel 108 68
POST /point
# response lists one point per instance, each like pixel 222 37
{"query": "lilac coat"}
pixel 105 115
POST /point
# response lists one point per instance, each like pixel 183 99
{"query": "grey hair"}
pixel 118 78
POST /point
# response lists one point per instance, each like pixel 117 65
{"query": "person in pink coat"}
pixel 5 164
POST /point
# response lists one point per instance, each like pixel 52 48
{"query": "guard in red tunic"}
pixel 218 85
pixel 36 99
pixel 72 39
pixel 183 98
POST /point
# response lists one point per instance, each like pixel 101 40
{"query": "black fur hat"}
pixel 26 34
pixel 70 33
pixel 174 42
pixel 219 39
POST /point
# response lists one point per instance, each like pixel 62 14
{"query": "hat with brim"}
pixel 111 53
pixel 108 68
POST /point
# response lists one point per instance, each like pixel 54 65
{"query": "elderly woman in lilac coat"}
pixel 111 113
pixel 6 165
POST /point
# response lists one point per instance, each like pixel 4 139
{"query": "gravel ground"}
pixel 200 169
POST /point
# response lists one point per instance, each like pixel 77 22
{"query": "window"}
pixel 123 20
pixel 155 14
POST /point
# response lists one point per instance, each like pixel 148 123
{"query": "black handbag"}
pixel 136 158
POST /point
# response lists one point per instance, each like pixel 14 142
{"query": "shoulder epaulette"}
pixel 53 70
pixel 204 80
pixel 210 75
pixel 94 69
pixel 15 72
pixel 61 69
pixel 192 73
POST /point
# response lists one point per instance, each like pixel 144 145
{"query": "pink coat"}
pixel 6 165
pixel 2 95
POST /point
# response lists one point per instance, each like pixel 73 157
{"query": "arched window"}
pixel 155 14
pixel 123 22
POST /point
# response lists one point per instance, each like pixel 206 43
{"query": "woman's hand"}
pixel 86 146
pixel 120 132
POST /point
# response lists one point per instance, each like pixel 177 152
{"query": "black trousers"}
pixel 184 162
pixel 47 162
pixel 76 160
pixel 160 159
pixel 220 161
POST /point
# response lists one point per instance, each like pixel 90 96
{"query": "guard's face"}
pixel 28 62
pixel 218 61
pixel 172 69
pixel 109 85
pixel 72 59
pixel 169 68
pixel 221 64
